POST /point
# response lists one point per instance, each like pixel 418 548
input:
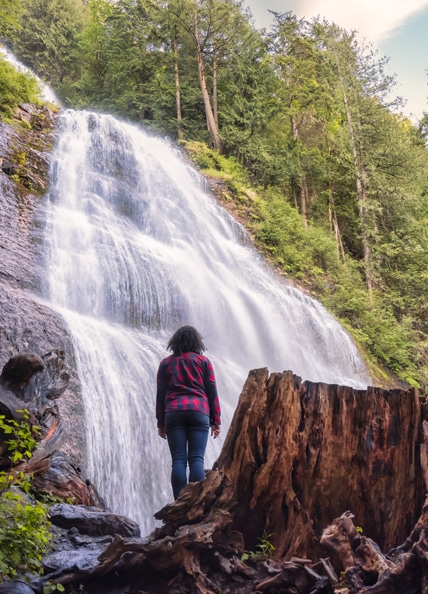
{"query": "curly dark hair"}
pixel 186 339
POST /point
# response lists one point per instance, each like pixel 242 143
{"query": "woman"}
pixel 187 405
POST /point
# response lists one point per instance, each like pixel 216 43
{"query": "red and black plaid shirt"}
pixel 187 382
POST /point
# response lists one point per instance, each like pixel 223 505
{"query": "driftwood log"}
pixel 313 487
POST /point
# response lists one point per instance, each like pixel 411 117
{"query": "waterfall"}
pixel 136 248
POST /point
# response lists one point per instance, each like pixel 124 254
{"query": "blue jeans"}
pixel 187 434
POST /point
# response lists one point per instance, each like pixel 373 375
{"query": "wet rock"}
pixel 34 384
pixel 92 521
pixel 81 559
pixel 83 539
pixel 31 382
pixel 17 587
pixel 50 383
pixel 10 405
pixel 62 479
pixel 19 370
pixel 27 323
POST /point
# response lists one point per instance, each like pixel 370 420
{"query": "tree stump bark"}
pixel 301 454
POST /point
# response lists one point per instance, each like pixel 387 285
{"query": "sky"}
pixel 398 29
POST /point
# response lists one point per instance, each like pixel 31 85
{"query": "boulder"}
pixel 92 521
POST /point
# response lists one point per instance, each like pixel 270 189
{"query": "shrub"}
pixel 15 87
pixel 24 527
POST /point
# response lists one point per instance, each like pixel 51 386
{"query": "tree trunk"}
pixel 303 186
pixel 364 215
pixel 177 90
pixel 211 123
pixel 360 181
pixel 303 453
pixel 215 96
pixel 334 226
pixel 304 199
pixel 295 189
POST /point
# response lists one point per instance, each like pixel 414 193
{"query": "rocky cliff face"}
pixel 26 322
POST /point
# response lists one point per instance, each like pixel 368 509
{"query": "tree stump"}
pixel 301 454
pixel 299 462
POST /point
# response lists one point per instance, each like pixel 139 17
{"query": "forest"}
pixel 297 122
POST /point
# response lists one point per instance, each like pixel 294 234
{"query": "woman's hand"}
pixel 162 432
pixel 215 431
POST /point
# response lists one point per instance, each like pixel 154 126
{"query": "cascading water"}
pixel 136 249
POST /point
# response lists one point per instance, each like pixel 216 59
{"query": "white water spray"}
pixel 136 249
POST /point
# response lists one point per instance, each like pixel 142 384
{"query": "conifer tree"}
pixel 48 39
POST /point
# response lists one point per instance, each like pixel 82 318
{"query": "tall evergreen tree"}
pixel 213 27
pixel 10 11
pixel 93 53
pixel 134 56
pixel 48 40
pixel 247 89
pixel 362 86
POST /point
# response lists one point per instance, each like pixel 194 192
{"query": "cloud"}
pixel 373 19
pixel 397 27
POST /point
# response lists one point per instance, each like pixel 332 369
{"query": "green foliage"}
pixel 92 54
pixel 22 440
pixel 305 253
pixel 49 588
pixel 374 326
pixel 208 160
pixel 48 40
pixel 302 115
pixel 24 528
pixel 10 11
pixel 24 534
pixel 264 550
pixel 15 87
